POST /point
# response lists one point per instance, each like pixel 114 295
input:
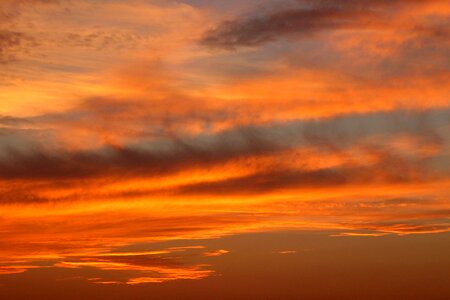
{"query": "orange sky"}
pixel 147 145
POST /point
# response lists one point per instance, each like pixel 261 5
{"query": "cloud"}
pixel 123 267
pixel 11 9
pixel 138 145
pixel 359 234
pixel 377 148
pixel 11 121
pixel 256 184
pixel 287 252
pixel 10 41
pixel 24 156
pixel 303 19
pixel 407 228
pixel 215 253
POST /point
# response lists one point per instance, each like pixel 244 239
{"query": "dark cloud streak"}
pixel 175 153
pixel 301 20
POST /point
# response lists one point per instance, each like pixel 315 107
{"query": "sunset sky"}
pixel 225 149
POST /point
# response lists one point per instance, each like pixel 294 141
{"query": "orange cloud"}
pixel 114 134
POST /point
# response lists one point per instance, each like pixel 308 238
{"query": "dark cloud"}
pixel 259 30
pixel 129 160
pixel 267 182
pixel 172 153
pixel 389 169
pixel 24 157
pixel 17 195
pixel 301 20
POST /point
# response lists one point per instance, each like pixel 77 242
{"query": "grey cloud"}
pixel 172 153
pixel 302 19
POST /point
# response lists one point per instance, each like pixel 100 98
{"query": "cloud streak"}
pixel 170 154
pixel 304 19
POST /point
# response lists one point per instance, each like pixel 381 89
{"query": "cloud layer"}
pixel 130 123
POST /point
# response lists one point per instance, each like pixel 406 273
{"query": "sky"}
pixel 238 149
